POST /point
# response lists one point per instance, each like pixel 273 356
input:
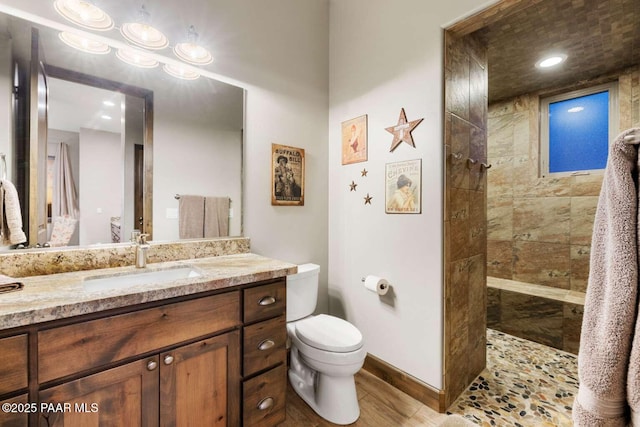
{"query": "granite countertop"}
pixel 63 295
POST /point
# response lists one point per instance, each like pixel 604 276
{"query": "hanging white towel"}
pixel 11 221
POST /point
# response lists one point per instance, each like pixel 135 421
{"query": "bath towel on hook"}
pixel 11 231
pixel 609 356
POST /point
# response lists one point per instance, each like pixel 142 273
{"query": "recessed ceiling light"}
pixel 551 60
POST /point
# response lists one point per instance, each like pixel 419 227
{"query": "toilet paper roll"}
pixel 376 284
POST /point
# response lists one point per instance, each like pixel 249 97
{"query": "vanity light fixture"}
pixel 180 72
pixel 84 13
pixel 136 58
pixel 190 51
pixel 551 60
pixel 141 33
pixel 84 44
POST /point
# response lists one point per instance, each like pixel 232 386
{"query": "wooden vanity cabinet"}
pixel 264 355
pixel 216 359
pixel 184 369
pixel 14 380
pixel 191 385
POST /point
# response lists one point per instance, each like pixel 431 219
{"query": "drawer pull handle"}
pixel 267 301
pixel 265 403
pixel 168 359
pixel 151 365
pixel 266 345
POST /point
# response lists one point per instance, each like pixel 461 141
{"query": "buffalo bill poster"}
pixel 287 175
pixel 403 187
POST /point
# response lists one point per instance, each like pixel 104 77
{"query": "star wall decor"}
pixel 353 186
pixel 364 172
pixel 402 131
pixel 367 199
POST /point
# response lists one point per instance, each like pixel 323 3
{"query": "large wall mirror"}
pixel 134 140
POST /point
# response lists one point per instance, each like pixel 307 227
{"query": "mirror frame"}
pixel 52 71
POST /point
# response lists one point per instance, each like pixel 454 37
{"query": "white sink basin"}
pixel 136 278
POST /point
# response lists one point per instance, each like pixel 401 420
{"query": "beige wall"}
pixel 539 229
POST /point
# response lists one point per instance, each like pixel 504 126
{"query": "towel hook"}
pixel 485 166
pixel 471 162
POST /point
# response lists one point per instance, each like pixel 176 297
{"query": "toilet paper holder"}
pixel 377 284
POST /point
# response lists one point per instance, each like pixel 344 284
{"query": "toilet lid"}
pixel 329 333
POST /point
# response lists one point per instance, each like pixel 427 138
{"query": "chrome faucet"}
pixel 140 240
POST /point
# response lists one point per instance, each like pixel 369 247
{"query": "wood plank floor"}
pixel 380 405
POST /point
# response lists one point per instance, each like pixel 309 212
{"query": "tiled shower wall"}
pixel 539 229
pixel 465 214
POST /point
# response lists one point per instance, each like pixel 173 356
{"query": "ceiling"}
pixel 598 37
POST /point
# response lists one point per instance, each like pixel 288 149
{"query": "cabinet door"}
pixel 17 415
pixel 200 383
pixel 122 396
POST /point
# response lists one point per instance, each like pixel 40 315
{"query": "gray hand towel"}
pixel 610 310
pixel 216 216
pixel 191 217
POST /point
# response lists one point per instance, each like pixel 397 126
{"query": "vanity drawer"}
pixel 13 369
pixel 263 302
pixel 264 345
pixel 74 348
pixel 264 398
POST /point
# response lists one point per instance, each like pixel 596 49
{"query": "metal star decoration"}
pixel 367 199
pixel 364 172
pixel 402 131
pixel 353 186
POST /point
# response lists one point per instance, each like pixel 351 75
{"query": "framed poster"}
pixel 403 187
pixel 354 140
pixel 287 175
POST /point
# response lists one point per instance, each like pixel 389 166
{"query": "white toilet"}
pixel 326 351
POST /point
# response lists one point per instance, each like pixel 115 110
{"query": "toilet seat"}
pixel 329 333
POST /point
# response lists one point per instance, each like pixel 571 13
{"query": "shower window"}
pixel 576 128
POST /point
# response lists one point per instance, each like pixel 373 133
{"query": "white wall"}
pixel 101 175
pixel 386 56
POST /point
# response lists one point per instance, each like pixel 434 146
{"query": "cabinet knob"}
pixel 265 403
pixel 168 359
pixel 267 300
pixel 151 365
pixel 266 345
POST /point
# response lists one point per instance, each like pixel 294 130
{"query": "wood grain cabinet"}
pixel 193 385
pixel 264 355
pixel 216 359
pixel 14 380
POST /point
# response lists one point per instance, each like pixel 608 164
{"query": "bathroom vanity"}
pixel 204 350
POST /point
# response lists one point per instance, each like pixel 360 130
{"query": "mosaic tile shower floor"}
pixel 524 384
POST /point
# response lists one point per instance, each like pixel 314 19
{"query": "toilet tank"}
pixel 302 291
